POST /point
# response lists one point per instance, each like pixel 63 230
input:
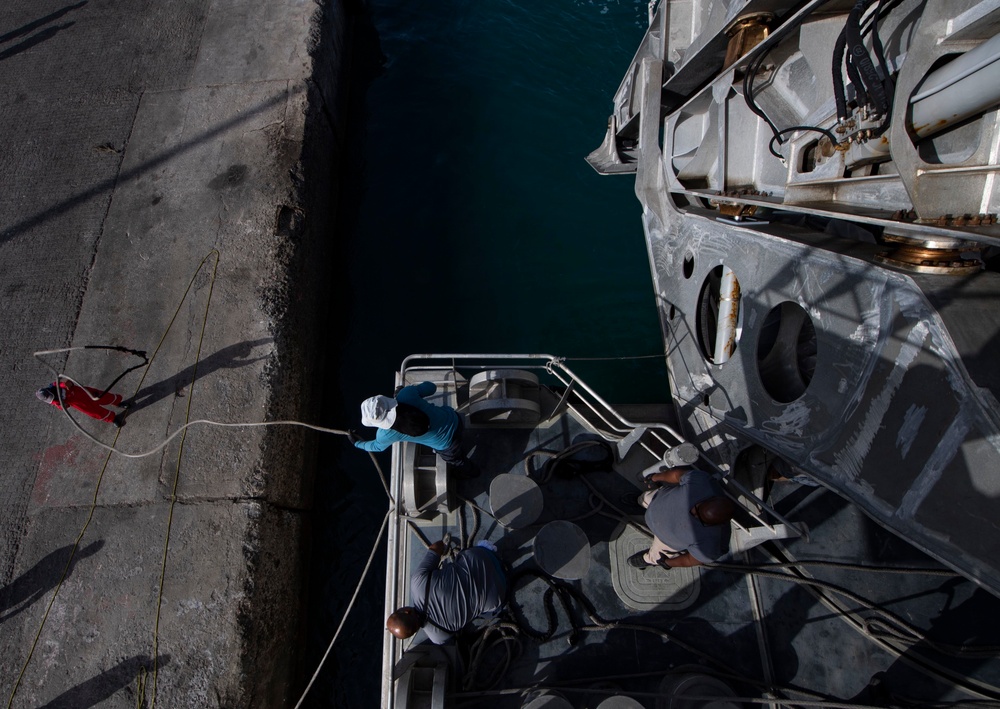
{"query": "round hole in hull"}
pixel 786 352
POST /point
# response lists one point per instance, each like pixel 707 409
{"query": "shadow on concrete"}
pixel 42 36
pixel 27 44
pixel 231 357
pixel 41 578
pixel 109 184
pixel 96 689
pixel 40 22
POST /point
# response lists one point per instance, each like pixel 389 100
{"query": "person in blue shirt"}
pixel 408 417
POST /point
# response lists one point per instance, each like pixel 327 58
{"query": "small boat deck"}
pixel 583 626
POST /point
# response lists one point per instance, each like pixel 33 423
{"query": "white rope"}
pixel 350 605
pixel 60 377
pixel 322 429
pixel 172 436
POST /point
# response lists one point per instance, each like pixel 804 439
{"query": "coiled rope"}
pixel 506 633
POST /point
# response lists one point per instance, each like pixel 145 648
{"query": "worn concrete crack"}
pixel 104 217
pixel 323 107
pixel 190 501
pixel 240 501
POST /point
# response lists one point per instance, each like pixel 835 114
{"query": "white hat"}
pixel 378 411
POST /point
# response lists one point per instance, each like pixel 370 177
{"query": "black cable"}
pixel 886 624
pixel 564 465
pixel 119 348
pixel 839 93
pixel 853 23
pixel 862 97
pixel 116 348
pixel 877 45
pixel 143 363
pixel 881 14
pixel 887 82
pixel 752 68
pixel 873 90
pixel 861 60
pixel 778 134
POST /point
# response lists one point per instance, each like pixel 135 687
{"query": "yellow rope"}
pixel 140 688
pixel 97 488
pixel 142 676
pixel 177 475
pixel 65 572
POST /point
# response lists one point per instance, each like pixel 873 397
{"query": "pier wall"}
pixel 170 172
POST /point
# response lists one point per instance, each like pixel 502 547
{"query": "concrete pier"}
pixel 148 147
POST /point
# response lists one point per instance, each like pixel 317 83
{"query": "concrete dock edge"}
pixel 190 143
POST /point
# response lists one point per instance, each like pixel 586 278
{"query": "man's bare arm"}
pixel 672 476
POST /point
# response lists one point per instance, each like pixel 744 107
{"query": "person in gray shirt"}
pixel 444 600
pixel 688 514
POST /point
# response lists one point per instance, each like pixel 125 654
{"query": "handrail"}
pixel 582 395
pixel 410 358
pixel 621 425
pixel 677 439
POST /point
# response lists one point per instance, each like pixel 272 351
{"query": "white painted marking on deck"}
pixel 912 420
pixel 946 448
pixel 852 456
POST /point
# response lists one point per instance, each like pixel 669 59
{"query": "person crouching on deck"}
pixel 86 400
pixel 445 600
pixel 408 417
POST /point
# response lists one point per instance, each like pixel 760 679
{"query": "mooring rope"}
pixel 357 589
pixel 113 450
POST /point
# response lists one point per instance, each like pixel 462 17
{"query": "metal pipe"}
pixel 964 87
pixel 729 311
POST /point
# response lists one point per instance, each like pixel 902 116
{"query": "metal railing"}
pixel 578 397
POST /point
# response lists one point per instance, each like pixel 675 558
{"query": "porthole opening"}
pixel 688 266
pixel 786 352
pixel 719 316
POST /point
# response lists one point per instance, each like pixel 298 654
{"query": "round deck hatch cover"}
pixel 674 690
pixel 548 701
pixel 515 500
pixel 620 703
pixel 562 550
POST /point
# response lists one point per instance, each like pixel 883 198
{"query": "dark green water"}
pixel 481 227
pixel 473 224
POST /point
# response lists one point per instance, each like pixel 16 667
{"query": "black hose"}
pixel 126 350
pixel 861 61
pixel 839 93
pixel 879 49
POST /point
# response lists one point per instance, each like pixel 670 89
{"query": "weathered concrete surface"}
pixel 138 139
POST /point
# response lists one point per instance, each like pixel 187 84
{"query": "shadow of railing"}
pixel 109 184
pixel 231 357
pixel 43 36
